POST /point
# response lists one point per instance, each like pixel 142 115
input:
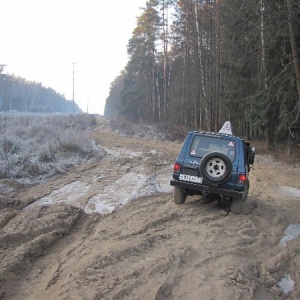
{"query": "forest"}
pixel 20 95
pixel 196 63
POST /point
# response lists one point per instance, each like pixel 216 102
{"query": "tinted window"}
pixel 204 144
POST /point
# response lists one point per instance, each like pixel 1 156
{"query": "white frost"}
pixel 291 233
pixel 287 190
pixel 126 188
pixel 286 284
pixel 69 193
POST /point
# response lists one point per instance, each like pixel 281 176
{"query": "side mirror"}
pixel 251 155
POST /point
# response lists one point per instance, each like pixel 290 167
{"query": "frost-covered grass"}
pixel 140 130
pixel 33 147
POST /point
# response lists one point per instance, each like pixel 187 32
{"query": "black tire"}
pixel 179 195
pixel 216 167
pixel 237 204
pixel 246 190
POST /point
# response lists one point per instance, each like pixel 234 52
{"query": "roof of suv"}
pixel 215 134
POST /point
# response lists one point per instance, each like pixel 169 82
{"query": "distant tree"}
pixel 113 105
pixel 293 15
pixel 17 93
pixel 141 94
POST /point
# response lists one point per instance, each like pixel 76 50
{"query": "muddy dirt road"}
pixel 110 230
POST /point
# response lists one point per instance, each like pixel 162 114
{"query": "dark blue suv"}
pixel 213 164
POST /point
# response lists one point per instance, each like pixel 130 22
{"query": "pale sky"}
pixel 41 39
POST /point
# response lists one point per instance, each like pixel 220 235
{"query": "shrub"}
pixel 44 157
pixel 71 147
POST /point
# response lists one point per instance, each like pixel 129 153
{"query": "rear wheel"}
pixel 179 195
pixel 237 203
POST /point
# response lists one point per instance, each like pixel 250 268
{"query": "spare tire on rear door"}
pixel 216 167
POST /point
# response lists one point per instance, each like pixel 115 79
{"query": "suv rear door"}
pixel 203 144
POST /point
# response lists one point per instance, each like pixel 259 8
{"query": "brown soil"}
pixel 150 248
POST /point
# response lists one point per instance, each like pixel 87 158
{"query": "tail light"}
pixel 176 169
pixel 242 178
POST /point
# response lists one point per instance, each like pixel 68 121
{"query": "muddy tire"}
pixel 237 204
pixel 216 167
pixel 179 195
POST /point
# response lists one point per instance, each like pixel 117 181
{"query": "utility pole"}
pixel 87 108
pixel 73 88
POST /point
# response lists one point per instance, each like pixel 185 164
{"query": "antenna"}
pixel 73 89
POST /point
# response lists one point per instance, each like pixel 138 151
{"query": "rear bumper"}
pixel 207 189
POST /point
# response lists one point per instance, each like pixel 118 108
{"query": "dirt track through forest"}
pixel 148 247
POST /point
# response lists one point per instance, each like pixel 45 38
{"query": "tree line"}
pixel 197 63
pixel 19 94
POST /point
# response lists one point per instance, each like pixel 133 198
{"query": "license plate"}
pixel 190 178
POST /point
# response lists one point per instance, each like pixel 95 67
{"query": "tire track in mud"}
pixel 29 235
pixel 236 252
pixel 162 254
pixel 152 249
pixel 167 270
pixel 126 259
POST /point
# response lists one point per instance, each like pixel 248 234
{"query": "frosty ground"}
pixel 108 229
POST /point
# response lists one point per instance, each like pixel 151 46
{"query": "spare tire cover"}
pixel 215 167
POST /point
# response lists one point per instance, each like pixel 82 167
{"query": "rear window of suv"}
pixel 203 145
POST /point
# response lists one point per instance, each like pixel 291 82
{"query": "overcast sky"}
pixel 41 39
